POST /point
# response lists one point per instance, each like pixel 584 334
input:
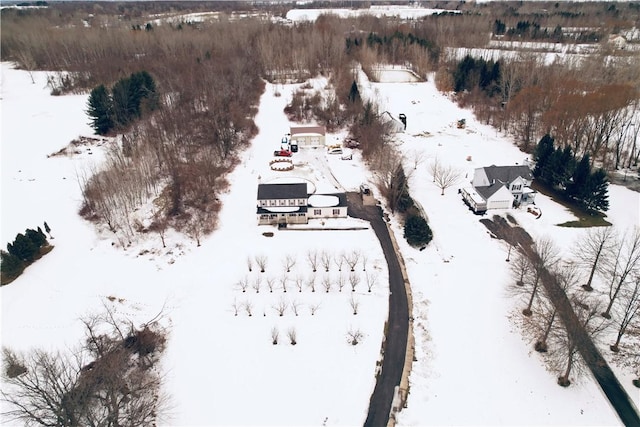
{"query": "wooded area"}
pixel 208 75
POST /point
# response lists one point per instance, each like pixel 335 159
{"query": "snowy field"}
pixel 473 367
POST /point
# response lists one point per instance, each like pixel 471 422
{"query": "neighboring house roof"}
pixel 507 174
pixel 396 125
pixel 282 191
pixel 303 130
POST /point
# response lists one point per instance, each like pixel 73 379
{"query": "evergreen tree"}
pixel 124 108
pixel 354 93
pixel 596 197
pixel 560 167
pixel 23 248
pixel 37 237
pixel 10 265
pixel 100 110
pixel 47 229
pixel 417 231
pixel 580 178
pixel 544 151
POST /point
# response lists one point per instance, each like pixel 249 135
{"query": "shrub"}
pixel 417 230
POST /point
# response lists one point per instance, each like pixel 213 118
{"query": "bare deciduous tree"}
pixel 592 250
pixel 283 280
pixel 545 255
pixel 624 262
pixel 314 307
pixel 627 312
pixel 312 259
pixel 243 284
pixel 275 334
pixel 295 307
pixel 299 281
pixel 354 280
pixel 235 306
pixel 325 258
pixel 289 262
pixel 352 259
pixel 248 307
pixel 372 280
pixel 326 283
pixel 365 259
pixel 281 307
pixel 293 336
pixel 444 176
pixel 270 282
pixel 340 281
pixel 256 283
pixel 110 379
pixel 250 263
pixel 355 304
pixel 354 336
pixel 338 260
pixel 261 262
pixel 311 282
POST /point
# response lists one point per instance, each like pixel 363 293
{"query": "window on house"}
pixel 317 211
pixel 272 202
pixel 283 202
pixel 301 202
pixel 336 211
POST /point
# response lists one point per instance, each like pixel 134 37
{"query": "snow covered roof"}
pixel 323 200
pixel 507 174
pixel 307 130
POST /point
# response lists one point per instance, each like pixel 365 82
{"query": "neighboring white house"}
pixel 499 187
pixel 617 41
pixel 308 136
pixel 291 204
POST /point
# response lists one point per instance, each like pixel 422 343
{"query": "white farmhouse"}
pixel 290 203
pixel 499 187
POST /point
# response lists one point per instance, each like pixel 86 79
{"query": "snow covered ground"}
pixel 472 365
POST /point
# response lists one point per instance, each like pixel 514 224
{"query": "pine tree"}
pixel 10 265
pixel 596 196
pixel 23 248
pixel 417 230
pixel 354 93
pixel 47 229
pixel 580 178
pixel 37 238
pixel 544 150
pixel 100 109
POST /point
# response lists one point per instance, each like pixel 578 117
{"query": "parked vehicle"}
pixel 282 153
pixel 335 150
pixel 294 146
pixel 347 156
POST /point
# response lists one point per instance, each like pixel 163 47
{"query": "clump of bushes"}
pixel 416 229
pixel 23 251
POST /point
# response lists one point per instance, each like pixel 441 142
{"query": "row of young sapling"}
pixel 315 260
pixel 284 306
pixel 299 282
pixel 354 336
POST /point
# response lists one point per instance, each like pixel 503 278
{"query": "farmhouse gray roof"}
pixel 487 191
pixel 507 174
pixel 282 191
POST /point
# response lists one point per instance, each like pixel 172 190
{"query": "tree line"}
pixel 560 169
pixel 126 101
pixel 25 249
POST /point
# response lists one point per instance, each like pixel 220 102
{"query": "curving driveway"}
pixel 396 334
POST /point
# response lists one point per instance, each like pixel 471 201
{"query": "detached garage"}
pixel 309 136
